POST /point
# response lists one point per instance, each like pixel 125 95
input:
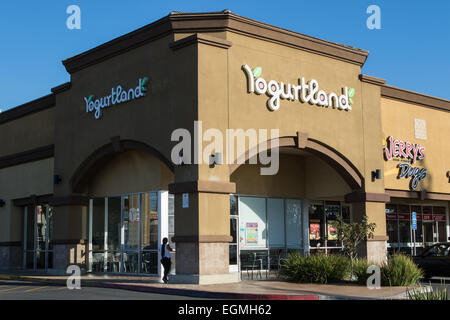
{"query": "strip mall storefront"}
pixel 87 174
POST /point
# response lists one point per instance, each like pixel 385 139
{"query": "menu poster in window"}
pixel 251 233
pixel 314 231
pixel 332 231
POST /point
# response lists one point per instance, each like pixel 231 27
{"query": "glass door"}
pixel 149 233
pixel 130 233
pixel 234 248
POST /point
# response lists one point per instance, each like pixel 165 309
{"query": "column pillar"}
pixel 202 232
pixel 373 206
pixel 69 241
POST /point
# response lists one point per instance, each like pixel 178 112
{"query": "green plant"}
pixel 400 270
pixel 360 270
pixel 433 294
pixel 352 234
pixel 319 268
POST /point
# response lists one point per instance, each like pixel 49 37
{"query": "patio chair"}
pixel 250 261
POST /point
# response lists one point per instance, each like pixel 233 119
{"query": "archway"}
pixel 294 209
pixel 82 176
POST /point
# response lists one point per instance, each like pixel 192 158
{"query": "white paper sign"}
pixel 185 200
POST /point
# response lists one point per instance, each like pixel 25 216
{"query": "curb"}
pixel 177 291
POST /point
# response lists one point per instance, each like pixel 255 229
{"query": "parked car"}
pixel 435 261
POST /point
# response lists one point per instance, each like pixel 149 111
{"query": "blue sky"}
pixel 411 50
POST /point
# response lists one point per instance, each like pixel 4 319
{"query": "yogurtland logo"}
pixel 118 95
pixel 304 91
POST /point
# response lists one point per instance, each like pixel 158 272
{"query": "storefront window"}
pixel 252 215
pixel 392 223
pixel 404 224
pixel 293 224
pixel 428 225
pixel 431 227
pixel 38 237
pixel 316 226
pixel 332 211
pixel 98 225
pixel 131 223
pixel 440 217
pixel 275 216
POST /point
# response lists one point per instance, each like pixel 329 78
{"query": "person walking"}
pixel 165 250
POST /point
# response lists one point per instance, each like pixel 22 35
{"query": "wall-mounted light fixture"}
pixel 2 203
pixel 376 174
pixel 448 176
pixel 215 158
pixel 56 179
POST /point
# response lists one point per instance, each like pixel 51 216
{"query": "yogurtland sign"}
pixel 118 95
pixel 303 91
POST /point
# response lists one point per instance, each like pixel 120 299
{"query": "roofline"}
pixel 222 21
pixel 421 99
pixel 25 109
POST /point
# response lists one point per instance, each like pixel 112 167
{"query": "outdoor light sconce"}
pixel 2 203
pixel 56 179
pixel 376 174
pixel 448 176
pixel 214 159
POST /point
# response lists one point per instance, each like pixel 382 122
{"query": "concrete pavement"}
pixel 254 290
pixel 26 290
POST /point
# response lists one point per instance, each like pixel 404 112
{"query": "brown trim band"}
pixel 379 238
pixel 372 80
pixel 27 156
pixel 418 195
pixel 69 241
pixel 361 196
pixel 335 159
pixel 414 97
pixel 203 186
pixel 61 88
pixel 72 200
pixel 200 38
pixel 203 239
pixel 28 108
pixel 11 244
pixel 338 162
pixel 33 200
pixel 214 22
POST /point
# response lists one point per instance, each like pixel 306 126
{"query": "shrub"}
pixel 360 270
pixel 318 268
pixel 432 294
pixel 400 270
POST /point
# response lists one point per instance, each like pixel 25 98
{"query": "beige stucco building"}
pixel 87 174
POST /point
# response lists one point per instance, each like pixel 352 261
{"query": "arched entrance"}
pixel 292 210
pixel 130 209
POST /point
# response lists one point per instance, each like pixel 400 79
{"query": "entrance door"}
pixel 234 248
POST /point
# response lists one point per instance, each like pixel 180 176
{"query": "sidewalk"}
pixel 249 290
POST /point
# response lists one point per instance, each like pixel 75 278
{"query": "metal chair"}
pixel 250 261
